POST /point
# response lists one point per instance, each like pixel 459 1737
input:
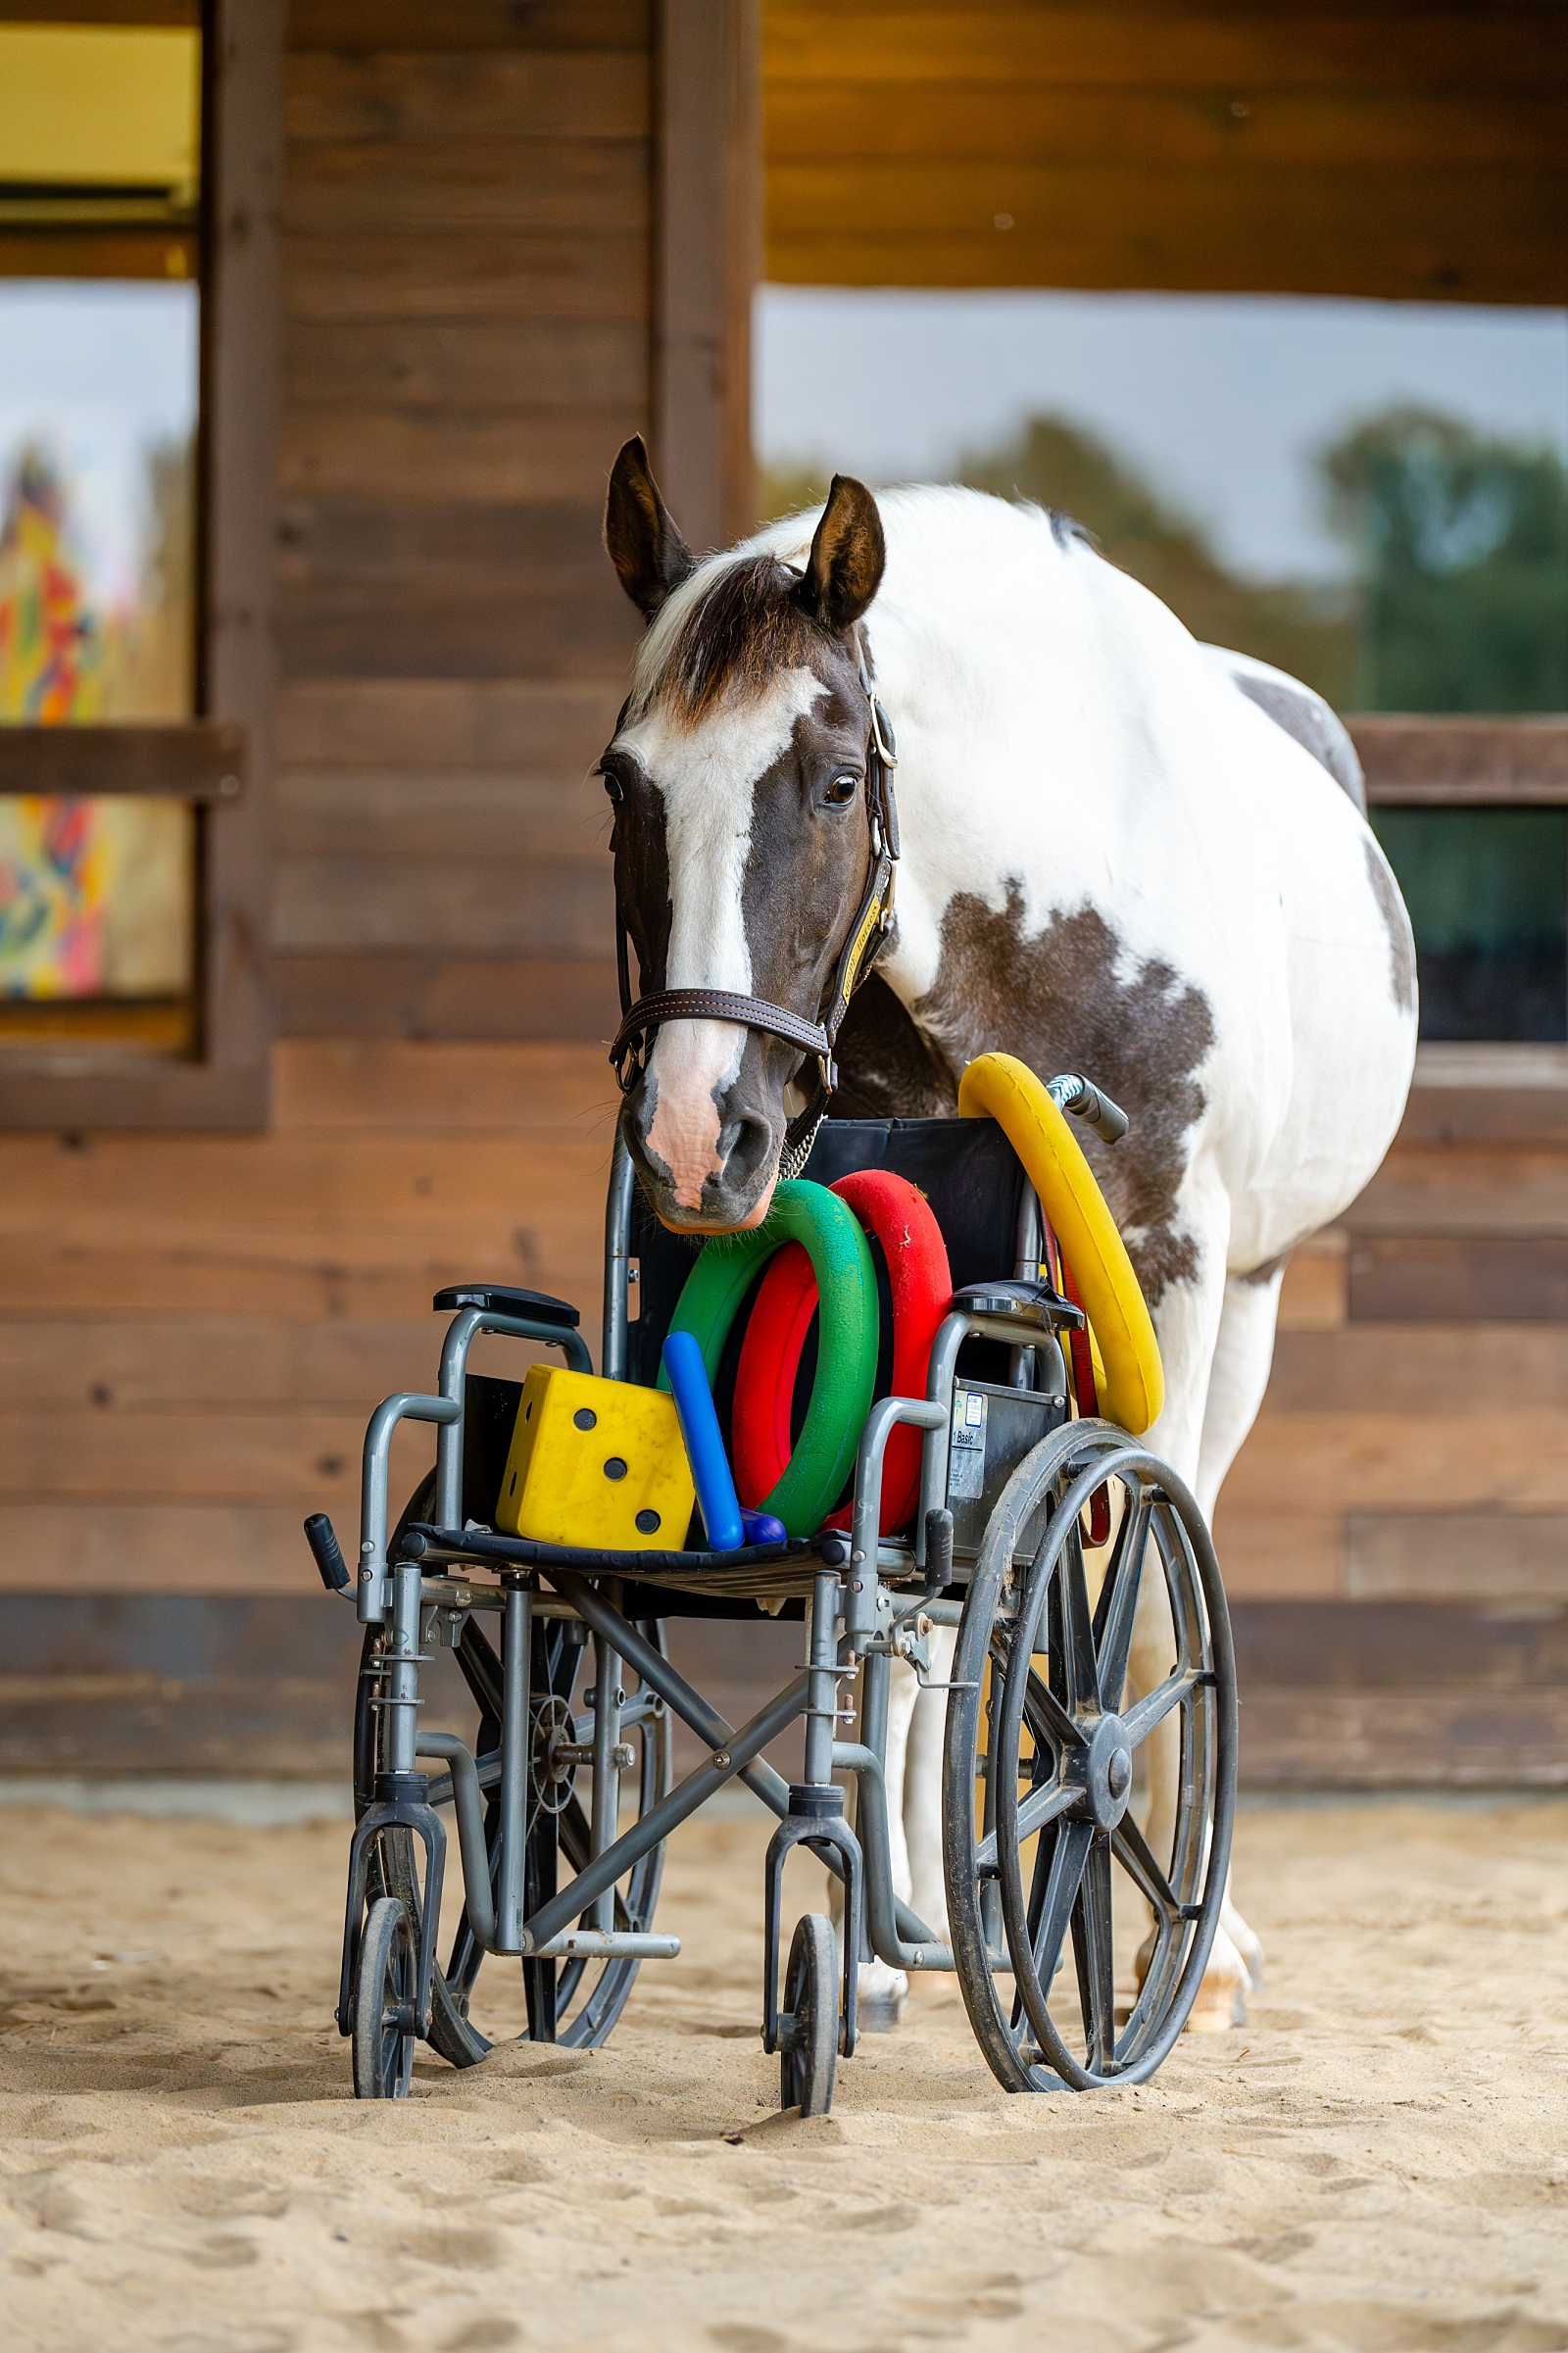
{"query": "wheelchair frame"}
pixel 869 1596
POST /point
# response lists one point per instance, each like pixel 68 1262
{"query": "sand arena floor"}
pixel 1379 2161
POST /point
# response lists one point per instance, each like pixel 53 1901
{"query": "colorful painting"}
pixel 94 894
pixel 48 642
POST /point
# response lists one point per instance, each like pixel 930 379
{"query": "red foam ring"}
pixel 898 1213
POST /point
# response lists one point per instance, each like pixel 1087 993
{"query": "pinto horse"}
pixel 1123 852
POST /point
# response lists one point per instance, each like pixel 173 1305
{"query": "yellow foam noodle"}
pixel 1131 1384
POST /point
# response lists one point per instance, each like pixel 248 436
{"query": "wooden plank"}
pixel 129 252
pixel 1451 234
pixel 87 1548
pixel 407 25
pixel 550 906
pixel 709 215
pixel 387 630
pixel 423 275
pixel 558 541
pixel 1389 1646
pixel 293 1191
pixel 111 1684
pixel 225 1457
pixel 551 726
pixel 473 95
pixel 1481 1279
pixel 818 123
pixel 1312 1295
pixel 1463 1189
pixel 1466 1557
pixel 451 997
pixel 1467 1459
pixel 496 186
pixel 1438 1738
pixel 1279 1555
pixel 322 1270
pixel 1306 207
pixel 195 759
pixel 1488 1094
pixel 1420 1368
pixel 370 1085
pixel 1442 760
pixel 444 454
pixel 471 364
pixel 335 812
pixel 1243 50
pixel 142 1364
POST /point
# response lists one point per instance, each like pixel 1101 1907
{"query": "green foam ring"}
pixel 846 1363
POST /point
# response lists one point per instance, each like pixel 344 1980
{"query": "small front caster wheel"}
pixel 809 2031
pixel 383 2005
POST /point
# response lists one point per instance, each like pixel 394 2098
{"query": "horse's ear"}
pixel 645 546
pixel 847 555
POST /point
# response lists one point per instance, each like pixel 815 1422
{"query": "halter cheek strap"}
pixel 868 936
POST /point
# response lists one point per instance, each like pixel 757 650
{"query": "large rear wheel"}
pixel 1052 1758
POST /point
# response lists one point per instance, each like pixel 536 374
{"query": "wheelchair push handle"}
pixel 1091 1104
pixel 327 1552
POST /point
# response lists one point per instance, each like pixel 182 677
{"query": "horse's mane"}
pixel 724 633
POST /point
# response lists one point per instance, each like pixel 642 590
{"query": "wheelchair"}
pixel 1039 1532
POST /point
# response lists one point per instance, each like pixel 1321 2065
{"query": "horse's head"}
pixel 742 839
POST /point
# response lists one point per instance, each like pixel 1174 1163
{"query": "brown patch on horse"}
pixel 1396 922
pixel 1056 1000
pixel 886 1070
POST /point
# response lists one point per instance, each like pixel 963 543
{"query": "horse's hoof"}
pixel 1216 2011
pixel 878 2013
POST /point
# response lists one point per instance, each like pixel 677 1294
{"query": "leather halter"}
pixel 868 936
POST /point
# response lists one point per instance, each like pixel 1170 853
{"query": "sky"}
pixel 1221 401
pixel 98 371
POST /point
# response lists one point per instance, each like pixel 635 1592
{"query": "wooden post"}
pixel 707 261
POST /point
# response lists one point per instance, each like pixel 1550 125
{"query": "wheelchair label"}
pixel 967 1459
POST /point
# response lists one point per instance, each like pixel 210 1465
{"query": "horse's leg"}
pixel 922 1789
pixel 1242 1356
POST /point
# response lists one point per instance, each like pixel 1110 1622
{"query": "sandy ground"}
pixel 1379 2161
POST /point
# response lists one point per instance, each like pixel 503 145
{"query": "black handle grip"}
pixel 327 1552
pixel 938 1552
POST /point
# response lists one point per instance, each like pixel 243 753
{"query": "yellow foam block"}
pixel 596 1463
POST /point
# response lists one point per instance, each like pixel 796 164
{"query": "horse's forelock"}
pixel 724 639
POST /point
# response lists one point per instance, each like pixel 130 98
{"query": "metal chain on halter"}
pixel 868 937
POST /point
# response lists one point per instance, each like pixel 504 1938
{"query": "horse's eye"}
pixel 613 784
pixel 842 790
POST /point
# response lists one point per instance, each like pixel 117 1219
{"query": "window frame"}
pixel 220 760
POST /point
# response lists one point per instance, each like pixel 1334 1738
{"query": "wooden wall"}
pixel 1401 148
pixel 469 285
pixel 1395 1529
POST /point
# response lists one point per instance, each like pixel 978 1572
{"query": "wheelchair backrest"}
pixel 966 1168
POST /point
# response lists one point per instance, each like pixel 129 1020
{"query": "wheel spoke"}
pixel 1082 1690
pixel 1040 1808
pixel 1137 1858
pixel 1054 1896
pixel 1091 1950
pixel 1118 1602
pixel 1140 1720
pixel 1046 1716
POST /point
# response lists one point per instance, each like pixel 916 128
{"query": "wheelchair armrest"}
pixel 503 1299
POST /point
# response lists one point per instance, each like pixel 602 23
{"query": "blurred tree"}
pixel 1461 547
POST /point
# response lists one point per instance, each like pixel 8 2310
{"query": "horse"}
pixel 1123 852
